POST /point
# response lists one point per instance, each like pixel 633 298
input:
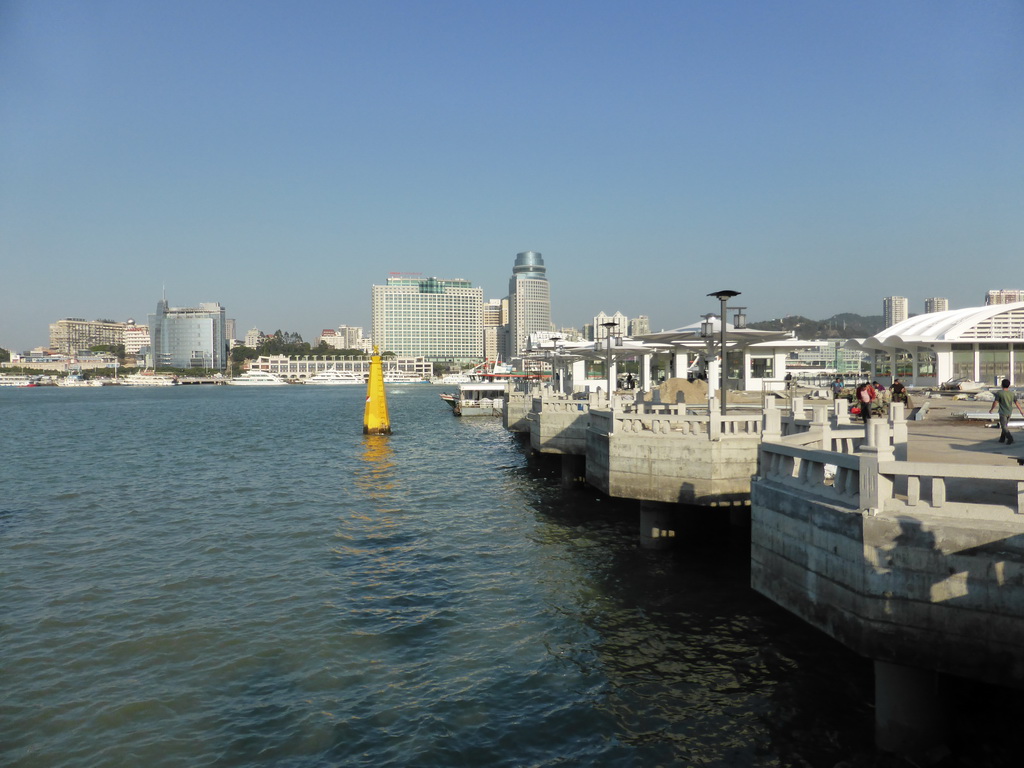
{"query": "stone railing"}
pixel 633 416
pixel 874 480
pixel 549 401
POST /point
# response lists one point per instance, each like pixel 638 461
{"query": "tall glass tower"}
pixel 188 337
pixel 529 301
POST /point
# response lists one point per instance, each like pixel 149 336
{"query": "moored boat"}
pixel 254 378
pixel 477 398
pixel 335 377
pixel 149 379
pixel 18 380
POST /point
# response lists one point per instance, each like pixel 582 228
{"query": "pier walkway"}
pixel 908 549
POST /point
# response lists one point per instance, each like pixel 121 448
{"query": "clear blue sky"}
pixel 282 157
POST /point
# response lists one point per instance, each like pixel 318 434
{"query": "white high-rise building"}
pixel 1004 297
pixel 135 338
pixel 621 325
pixel 441 320
pixel 639 325
pixel 935 305
pixel 529 301
pixel 895 310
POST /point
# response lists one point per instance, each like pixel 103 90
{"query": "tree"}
pixel 5 355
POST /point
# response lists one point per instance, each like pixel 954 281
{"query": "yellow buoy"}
pixel 375 417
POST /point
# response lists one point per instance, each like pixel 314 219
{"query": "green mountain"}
pixel 842 326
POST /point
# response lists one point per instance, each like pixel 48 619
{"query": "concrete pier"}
pixel 558 423
pixel 669 453
pixel 916 563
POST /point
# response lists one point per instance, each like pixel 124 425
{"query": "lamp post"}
pixel 608 364
pixel 723 296
pixel 554 363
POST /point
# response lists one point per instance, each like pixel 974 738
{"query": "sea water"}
pixel 221 576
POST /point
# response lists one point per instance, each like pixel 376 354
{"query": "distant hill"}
pixel 841 326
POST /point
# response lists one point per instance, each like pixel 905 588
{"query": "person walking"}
pixel 1005 399
pixel 865 399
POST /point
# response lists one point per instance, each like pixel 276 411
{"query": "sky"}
pixel 283 157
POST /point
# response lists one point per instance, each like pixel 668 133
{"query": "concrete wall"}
pixel 905 584
pixel 558 424
pixel 673 457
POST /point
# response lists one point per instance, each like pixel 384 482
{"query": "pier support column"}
pixel 659 524
pixel 909 716
pixel 574 470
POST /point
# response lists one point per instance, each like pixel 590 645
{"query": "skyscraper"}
pixel 188 337
pixel 529 301
pixel 935 305
pixel 895 309
pixel 441 320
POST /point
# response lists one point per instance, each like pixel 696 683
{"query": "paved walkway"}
pixel 944 435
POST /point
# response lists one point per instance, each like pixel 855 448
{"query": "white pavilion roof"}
pixel 993 322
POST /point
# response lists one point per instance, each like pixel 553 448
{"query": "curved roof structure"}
pixel 994 322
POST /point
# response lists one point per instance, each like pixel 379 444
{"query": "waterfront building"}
pixel 1004 297
pixel 441 320
pixel 73 334
pixel 983 344
pixel 895 309
pixel 936 305
pixel 621 325
pixel 188 337
pixel 301 368
pixel 529 301
pixel 829 356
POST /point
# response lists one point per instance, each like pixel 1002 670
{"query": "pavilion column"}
pixel 645 372
pixel 577 374
pixel 680 362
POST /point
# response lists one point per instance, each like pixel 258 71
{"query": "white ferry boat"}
pixel 257 379
pixel 18 380
pixel 477 398
pixel 78 380
pixel 333 377
pixel 149 379
pixel 403 377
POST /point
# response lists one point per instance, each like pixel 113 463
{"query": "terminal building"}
pixel 984 344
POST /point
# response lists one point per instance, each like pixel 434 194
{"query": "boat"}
pixel 18 380
pixel 149 379
pixel 484 393
pixel 395 376
pixel 335 377
pixel 255 378
pixel 477 398
pixel 78 380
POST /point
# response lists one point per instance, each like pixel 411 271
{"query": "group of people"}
pixel 868 394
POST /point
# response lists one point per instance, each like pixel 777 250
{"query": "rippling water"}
pixel 218 576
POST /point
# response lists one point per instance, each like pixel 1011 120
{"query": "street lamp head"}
pixel 724 295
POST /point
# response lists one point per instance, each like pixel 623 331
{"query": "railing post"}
pixel 841 409
pixel 772 429
pixel 875 488
pixel 820 423
pixel 898 422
